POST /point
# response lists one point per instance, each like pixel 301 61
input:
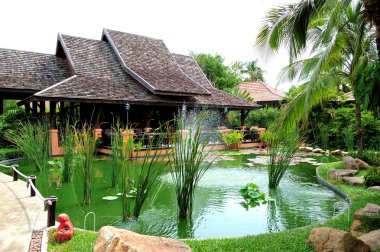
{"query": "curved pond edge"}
pixel 331 187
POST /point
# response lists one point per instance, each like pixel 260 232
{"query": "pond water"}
pixel 299 200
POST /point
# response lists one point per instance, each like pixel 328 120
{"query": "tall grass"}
pixel 138 177
pixel 32 139
pixel 324 134
pixel 348 136
pixel 69 152
pixel 283 146
pixel 87 144
pixel 187 166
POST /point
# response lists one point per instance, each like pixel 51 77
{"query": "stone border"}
pixel 331 187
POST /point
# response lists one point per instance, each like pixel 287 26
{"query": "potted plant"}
pixel 233 139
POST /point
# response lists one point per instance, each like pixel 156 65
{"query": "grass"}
pixel 291 240
pixel 82 241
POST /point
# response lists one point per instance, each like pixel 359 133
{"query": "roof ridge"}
pixel 64 47
pixel 138 35
pixel 16 50
pixel 55 85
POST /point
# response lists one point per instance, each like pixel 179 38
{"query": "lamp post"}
pixel 127 107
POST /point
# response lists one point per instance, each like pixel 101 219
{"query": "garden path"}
pixel 19 215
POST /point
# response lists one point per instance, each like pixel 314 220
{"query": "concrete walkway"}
pixel 19 214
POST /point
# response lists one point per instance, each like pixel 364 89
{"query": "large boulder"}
pixel 339 173
pixel 329 239
pixel 372 239
pixel 374 188
pixel 336 152
pixel 114 239
pixel 318 150
pixel 370 211
pixel 350 163
pixel 354 181
pixel 309 149
pixel 361 164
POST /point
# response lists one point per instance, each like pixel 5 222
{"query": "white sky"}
pixel 225 27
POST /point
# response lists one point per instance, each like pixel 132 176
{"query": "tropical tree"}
pixel 341 49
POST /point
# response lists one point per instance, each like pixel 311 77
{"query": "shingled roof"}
pixel 261 92
pixel 30 71
pixel 120 68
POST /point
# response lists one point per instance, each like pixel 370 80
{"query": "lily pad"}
pixel 109 197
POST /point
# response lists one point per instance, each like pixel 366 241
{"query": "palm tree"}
pixel 340 54
pixel 288 25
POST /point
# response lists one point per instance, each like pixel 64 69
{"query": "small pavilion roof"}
pixel 261 92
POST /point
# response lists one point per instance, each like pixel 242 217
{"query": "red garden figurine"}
pixel 65 229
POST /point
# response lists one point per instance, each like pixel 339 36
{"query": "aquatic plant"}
pixel 137 176
pixel 283 146
pixel 324 135
pixel 87 145
pixel 187 166
pixel 32 139
pixel 69 152
pixel 348 136
pixel 252 196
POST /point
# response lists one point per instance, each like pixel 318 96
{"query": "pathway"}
pixel 19 215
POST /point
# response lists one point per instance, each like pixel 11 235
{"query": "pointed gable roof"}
pixel 20 70
pixel 152 64
pixel 261 92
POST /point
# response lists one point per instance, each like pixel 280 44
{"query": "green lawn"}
pixel 291 240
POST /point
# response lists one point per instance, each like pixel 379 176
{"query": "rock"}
pixel 374 188
pixel 327 152
pixel 114 239
pixel 329 239
pixel 302 148
pixel 350 163
pixel 372 239
pixel 317 150
pixel 361 164
pixel 354 181
pixel 357 228
pixel 370 211
pixel 336 152
pixel 344 153
pixel 308 149
pixel 339 173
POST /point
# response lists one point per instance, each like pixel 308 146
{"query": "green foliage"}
pixel 372 178
pixel 32 140
pixel 9 153
pixel 252 196
pixel 324 134
pixel 283 146
pixel 138 177
pixel 349 139
pixel 263 117
pixel 87 146
pixel 222 76
pixel 69 152
pixel 234 138
pixel 372 157
pixel 83 241
pixel 187 166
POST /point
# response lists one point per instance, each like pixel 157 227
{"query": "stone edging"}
pixel 332 188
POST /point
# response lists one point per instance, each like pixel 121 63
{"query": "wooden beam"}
pixel 62 113
pixel 27 108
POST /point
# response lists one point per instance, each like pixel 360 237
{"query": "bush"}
pixel 9 153
pixel 373 177
pixel 371 157
pixel 263 117
pixel 233 138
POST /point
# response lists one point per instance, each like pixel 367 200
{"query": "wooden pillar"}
pixel 42 108
pixel 27 107
pixel 243 116
pixel 62 113
pixel 34 108
pixel 1 106
pixel 52 118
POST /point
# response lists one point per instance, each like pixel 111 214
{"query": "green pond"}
pixel 300 200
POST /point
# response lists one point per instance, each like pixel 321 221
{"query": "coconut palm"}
pixel 288 25
pixel 340 53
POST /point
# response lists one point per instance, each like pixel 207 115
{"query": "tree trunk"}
pixel 372 8
pixel 359 136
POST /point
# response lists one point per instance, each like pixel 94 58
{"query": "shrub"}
pixel 9 153
pixel 263 117
pixel 373 177
pixel 234 138
pixel 372 157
